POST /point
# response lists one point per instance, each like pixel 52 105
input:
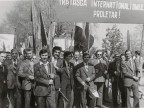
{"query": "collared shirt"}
pixel 54 61
pixel 14 61
pixel 86 66
pixel 131 64
pixel 76 62
pixel 31 62
pixel 45 65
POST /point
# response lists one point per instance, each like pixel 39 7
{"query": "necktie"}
pixel 86 67
pixel 15 66
pixel 131 64
pixel 67 67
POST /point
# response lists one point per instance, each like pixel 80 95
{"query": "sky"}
pixel 5 6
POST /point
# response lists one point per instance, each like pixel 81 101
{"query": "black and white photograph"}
pixel 71 53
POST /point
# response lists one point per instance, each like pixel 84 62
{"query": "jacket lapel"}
pixel 43 70
pixel 86 72
pixel 129 66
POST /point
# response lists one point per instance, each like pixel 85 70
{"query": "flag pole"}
pixel 141 42
pixel 88 37
pixel 72 37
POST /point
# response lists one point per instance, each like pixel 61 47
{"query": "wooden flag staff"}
pixel 141 43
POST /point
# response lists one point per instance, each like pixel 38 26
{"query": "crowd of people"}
pixel 70 80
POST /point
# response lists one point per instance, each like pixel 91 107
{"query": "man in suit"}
pixel 130 80
pixel 67 82
pixel 11 76
pixel 44 78
pixel 76 60
pixel 101 72
pixel 26 73
pixel 57 61
pixel 85 75
pixel 3 74
pixel 139 63
pixel 116 77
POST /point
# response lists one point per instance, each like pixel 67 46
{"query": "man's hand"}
pixel 88 79
pixel 55 66
pixel 52 76
pixel 83 83
pixel 4 82
pixel 135 78
pixel 31 77
pixel 51 82
pixel 105 72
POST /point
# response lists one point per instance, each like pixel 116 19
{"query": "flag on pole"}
pixel 82 38
pixel 89 37
pixel 79 38
pixel 15 40
pixel 35 18
pixel 4 48
pixel 43 34
pixel 33 36
pixel 128 41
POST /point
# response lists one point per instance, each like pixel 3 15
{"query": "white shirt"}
pixel 45 65
pixel 86 66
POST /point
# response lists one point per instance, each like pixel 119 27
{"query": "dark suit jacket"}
pixel 3 73
pixel 42 87
pixel 11 76
pixel 100 68
pixel 82 74
pixel 24 71
pixel 65 77
pixel 114 66
pixel 57 79
pixel 76 83
pixel 128 73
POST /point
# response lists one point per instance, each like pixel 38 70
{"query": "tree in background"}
pixel 113 41
pixel 18 21
pixel 136 39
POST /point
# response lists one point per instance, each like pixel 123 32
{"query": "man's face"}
pixel 68 58
pixel 86 58
pixel 56 54
pixel 136 54
pixel 123 58
pixel 8 56
pixel 76 55
pixel 44 57
pixel 14 55
pixel 99 55
pixel 116 58
pixel 29 55
pixel 2 57
pixel 128 55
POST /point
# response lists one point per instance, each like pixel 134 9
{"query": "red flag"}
pixel 79 38
pixel 33 31
pixel 4 48
pixel 89 37
pixel 43 35
pixel 128 40
pixel 82 39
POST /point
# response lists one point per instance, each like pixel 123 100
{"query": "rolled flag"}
pixel 82 38
pixel 4 48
